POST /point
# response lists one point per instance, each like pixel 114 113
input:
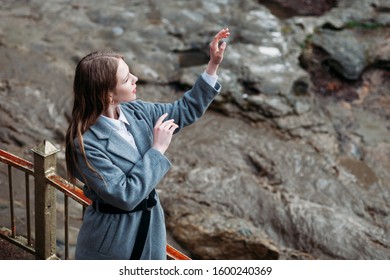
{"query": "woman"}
pixel 115 145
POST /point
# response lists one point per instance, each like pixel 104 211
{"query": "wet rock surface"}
pixel 291 161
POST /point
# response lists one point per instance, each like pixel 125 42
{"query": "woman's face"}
pixel 125 89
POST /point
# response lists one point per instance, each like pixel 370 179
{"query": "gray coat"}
pixel 128 176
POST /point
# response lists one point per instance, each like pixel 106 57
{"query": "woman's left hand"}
pixel 217 51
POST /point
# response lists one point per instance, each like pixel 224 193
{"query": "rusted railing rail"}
pixel 10 235
pixel 44 172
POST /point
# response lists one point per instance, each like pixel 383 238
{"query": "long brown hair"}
pixel 95 76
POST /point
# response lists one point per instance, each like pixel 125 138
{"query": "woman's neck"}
pixel 112 112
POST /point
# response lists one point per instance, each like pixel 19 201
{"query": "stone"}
pixel 290 162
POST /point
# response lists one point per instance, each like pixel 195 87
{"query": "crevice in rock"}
pixel 192 57
pixel 284 9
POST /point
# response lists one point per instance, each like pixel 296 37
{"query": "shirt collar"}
pixel 122 116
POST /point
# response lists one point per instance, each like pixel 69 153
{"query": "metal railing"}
pixel 10 235
pixel 46 182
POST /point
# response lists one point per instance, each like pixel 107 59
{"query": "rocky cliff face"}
pixel 291 161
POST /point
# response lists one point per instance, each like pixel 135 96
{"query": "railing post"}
pixel 45 201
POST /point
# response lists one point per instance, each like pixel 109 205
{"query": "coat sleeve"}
pixel 186 110
pixel 115 187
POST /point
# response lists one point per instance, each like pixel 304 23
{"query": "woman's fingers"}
pixel 163 131
pixel 216 50
pixel 167 123
pixel 173 128
pixel 161 119
pixel 168 126
pixel 222 34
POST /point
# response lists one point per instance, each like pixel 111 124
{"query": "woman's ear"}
pixel 111 97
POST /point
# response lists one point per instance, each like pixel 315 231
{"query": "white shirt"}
pixel 211 80
pixel 119 125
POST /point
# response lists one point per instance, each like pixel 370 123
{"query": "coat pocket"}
pixel 108 238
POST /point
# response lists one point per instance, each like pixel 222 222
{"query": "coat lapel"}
pixel 115 143
pixel 142 135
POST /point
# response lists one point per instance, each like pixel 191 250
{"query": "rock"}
pixel 241 239
pixel 352 51
pixel 346 54
pixel 270 106
pixel 363 173
pixel 291 160
pixel 288 8
pixel 117 31
pixel 306 189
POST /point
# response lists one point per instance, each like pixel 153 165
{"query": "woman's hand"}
pixel 163 132
pixel 216 51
